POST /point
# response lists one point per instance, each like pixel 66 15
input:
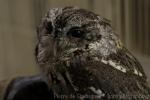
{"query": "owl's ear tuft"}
pixel 44 28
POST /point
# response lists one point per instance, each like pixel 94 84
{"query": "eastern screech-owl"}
pixel 83 58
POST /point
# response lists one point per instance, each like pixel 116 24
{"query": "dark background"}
pixel 19 19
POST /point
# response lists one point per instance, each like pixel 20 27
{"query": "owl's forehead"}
pixel 76 18
pixel 63 19
pixel 81 20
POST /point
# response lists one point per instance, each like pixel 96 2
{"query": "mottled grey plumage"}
pixel 82 57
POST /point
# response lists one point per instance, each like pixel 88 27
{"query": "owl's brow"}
pixel 90 23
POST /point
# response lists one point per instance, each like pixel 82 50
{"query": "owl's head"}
pixel 64 32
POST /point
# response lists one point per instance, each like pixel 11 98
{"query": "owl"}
pixel 82 57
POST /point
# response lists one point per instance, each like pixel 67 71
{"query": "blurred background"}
pixel 19 19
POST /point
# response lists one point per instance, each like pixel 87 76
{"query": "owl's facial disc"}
pixel 87 38
pixel 86 33
pixel 65 31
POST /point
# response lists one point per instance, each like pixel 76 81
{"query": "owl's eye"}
pixel 76 32
pixel 49 27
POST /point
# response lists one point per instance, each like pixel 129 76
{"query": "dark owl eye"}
pixel 49 27
pixel 76 32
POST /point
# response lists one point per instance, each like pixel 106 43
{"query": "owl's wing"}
pixel 118 76
pixel 125 59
